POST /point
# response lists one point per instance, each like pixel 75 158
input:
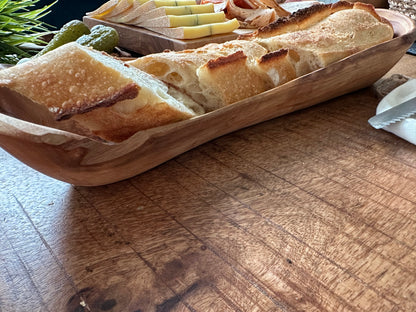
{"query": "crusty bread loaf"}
pixel 179 69
pixel 311 39
pixel 104 96
pixel 251 76
pixel 216 75
pixel 323 34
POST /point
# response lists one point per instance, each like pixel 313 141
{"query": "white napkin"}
pixel 406 128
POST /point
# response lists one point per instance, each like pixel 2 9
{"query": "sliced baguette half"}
pixel 179 68
pixel 325 33
pixel 103 96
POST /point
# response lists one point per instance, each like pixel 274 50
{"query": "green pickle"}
pixel 102 38
pixel 71 31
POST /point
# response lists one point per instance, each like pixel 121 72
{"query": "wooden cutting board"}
pixel 143 41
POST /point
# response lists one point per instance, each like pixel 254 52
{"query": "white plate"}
pixel 406 128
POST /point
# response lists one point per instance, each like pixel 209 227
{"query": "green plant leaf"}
pixel 20 25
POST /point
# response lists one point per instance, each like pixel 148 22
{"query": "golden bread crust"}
pixel 180 68
pixel 101 95
pixel 123 126
pixel 323 34
pixel 226 60
pixel 277 67
pixel 60 81
pixel 307 17
pixel 231 78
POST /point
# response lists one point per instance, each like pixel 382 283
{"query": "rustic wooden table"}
pixel 312 211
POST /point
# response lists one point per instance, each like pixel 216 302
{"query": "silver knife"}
pixel 394 114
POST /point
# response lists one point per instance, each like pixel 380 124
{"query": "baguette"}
pixel 323 34
pixel 306 41
pixel 101 96
pixel 312 38
pixel 255 75
pixel 180 69
pixel 229 79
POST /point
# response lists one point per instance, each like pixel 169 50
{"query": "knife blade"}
pixel 394 114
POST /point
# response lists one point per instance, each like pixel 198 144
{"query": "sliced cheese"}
pixel 127 15
pixel 187 9
pixel 184 20
pixel 104 9
pixel 199 31
pixel 135 16
pixel 176 10
pixel 112 8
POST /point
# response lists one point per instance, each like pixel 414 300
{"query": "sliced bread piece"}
pixel 231 78
pixel 180 68
pixel 276 67
pixel 103 96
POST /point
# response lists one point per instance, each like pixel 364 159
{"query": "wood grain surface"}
pixel 311 211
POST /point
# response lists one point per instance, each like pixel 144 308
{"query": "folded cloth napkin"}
pixel 406 128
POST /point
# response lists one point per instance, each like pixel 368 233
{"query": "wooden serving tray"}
pixel 83 161
pixel 143 41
